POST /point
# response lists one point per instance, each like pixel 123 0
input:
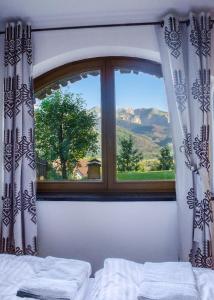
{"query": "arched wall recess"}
pixel 56 48
pixel 92 52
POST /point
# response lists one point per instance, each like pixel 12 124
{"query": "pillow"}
pixel 128 269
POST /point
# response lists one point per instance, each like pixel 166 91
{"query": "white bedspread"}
pixel 205 283
pixel 14 271
pixel 120 279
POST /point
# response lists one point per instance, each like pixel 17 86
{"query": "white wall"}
pixel 92 230
pixel 55 48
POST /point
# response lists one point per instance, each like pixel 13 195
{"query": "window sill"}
pixel 107 197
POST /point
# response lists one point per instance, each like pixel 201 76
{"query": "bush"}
pixel 147 165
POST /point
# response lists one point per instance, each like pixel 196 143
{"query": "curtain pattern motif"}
pixel 19 229
pixel 186 55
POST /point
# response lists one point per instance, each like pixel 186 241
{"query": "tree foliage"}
pixel 166 159
pixel 128 158
pixel 65 130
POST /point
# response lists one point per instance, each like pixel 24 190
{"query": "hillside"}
pixel 149 122
pixel 143 143
pixel 149 128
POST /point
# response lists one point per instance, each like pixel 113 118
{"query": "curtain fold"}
pixel 187 63
pixel 19 226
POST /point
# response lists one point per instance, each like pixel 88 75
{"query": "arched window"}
pixel 102 125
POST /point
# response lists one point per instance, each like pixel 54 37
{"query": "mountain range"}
pixel 149 128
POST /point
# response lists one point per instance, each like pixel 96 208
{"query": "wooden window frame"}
pixel 109 184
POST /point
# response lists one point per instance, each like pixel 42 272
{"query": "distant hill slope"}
pixel 149 128
pixel 142 142
pixel 150 122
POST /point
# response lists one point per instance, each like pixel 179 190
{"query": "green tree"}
pixel 65 130
pixel 166 159
pixel 128 158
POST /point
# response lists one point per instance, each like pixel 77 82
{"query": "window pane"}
pixel 143 134
pixel 68 129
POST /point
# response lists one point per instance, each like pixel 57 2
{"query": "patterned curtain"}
pixel 187 67
pixel 19 229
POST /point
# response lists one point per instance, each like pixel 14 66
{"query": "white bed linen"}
pixel 205 283
pixel 82 294
pixel 125 268
pixel 58 278
pixel 87 293
pixel 119 280
pixel 14 270
pixel 107 287
pixel 168 280
pixel 112 288
pixel 173 272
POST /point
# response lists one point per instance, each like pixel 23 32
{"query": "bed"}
pixel 120 280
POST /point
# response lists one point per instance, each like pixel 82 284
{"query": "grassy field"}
pixel 152 175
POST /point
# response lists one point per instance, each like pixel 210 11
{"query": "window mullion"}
pixel 109 107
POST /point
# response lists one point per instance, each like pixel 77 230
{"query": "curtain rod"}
pixel 99 26
pixel 94 26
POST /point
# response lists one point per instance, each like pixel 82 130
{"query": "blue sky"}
pixel 136 91
pixel 140 91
